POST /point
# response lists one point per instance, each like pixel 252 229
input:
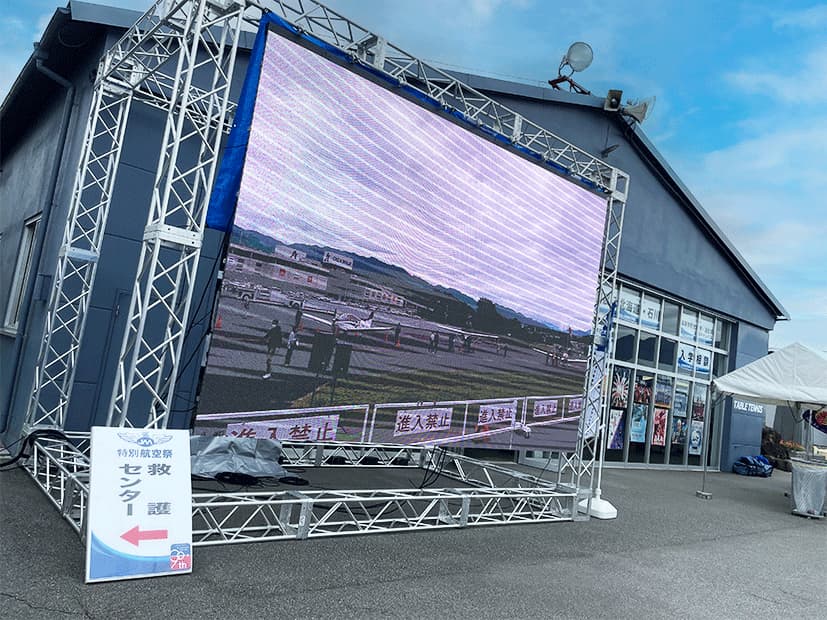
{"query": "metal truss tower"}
pixel 154 63
pixel 179 57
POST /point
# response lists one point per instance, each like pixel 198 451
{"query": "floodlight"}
pixel 579 56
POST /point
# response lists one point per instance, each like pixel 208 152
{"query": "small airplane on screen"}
pixel 465 332
pixel 348 322
pixel 563 359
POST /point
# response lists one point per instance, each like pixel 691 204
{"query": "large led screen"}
pixel 394 276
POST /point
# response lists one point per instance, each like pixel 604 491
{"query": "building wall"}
pixel 741 432
pixel 27 169
pixel 107 313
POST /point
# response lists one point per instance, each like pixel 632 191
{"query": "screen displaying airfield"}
pixel 384 257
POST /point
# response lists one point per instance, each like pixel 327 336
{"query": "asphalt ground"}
pixel 741 554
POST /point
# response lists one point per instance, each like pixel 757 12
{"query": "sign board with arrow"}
pixel 139 519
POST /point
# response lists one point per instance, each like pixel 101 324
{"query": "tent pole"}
pixel 703 493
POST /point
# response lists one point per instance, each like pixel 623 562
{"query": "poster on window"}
pixel 696 436
pixel 629 306
pixel 643 389
pixel 699 403
pixel 681 401
pixel 637 426
pixel 620 388
pixel 650 313
pixel 678 431
pixel 616 423
pixel 702 361
pixel 686 358
pixel 689 325
pixel 706 330
pixel 663 391
pixel 659 426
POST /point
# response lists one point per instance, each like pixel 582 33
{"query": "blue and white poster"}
pixel 681 401
pixel 706 327
pixel 139 520
pixel 696 436
pixel 689 324
pixel 616 429
pixel 686 358
pixel 629 306
pixel 703 360
pixel 637 426
pixel 650 313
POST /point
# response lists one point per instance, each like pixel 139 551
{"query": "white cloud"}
pixel 808 310
pixel 809 19
pixel 40 26
pixel 11 24
pixel 803 84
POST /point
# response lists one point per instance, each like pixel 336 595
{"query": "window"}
pixel 625 345
pixel 668 349
pixel 21 273
pixel 647 349
pixel 670 318
pixel 721 334
pixel 668 352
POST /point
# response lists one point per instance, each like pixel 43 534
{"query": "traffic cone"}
pixel 218 322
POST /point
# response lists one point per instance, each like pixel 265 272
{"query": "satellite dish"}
pixel 579 56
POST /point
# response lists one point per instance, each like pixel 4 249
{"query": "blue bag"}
pixel 753 466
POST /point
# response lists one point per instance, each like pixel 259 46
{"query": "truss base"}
pixel 486 494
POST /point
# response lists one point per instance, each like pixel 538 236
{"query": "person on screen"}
pixel 397 331
pixel 436 341
pixel 292 345
pixel 298 318
pixel 431 341
pixel 273 339
pixel 451 343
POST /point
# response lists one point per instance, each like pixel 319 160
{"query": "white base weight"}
pixel 600 508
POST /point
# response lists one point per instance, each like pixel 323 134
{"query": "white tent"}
pixel 795 376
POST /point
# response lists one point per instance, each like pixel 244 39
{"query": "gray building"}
pixel 690 307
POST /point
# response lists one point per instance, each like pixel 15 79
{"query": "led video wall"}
pixel 394 276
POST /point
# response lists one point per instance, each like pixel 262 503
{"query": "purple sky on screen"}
pixel 338 161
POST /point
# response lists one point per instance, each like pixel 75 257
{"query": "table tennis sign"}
pixel 139 517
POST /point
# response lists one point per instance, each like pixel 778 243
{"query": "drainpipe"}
pixel 23 319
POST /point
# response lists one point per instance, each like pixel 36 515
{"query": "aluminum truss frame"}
pixel 164 60
pixel 163 291
pixel 594 421
pixel 132 70
pixel 489 495
pixel 202 37
pixel 61 470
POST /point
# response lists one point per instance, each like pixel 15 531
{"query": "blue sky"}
pixel 739 116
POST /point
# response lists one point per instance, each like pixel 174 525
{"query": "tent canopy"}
pixel 794 375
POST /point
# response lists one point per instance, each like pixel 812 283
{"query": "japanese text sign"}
pixel 139 520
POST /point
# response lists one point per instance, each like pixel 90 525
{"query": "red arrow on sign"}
pixel 135 535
